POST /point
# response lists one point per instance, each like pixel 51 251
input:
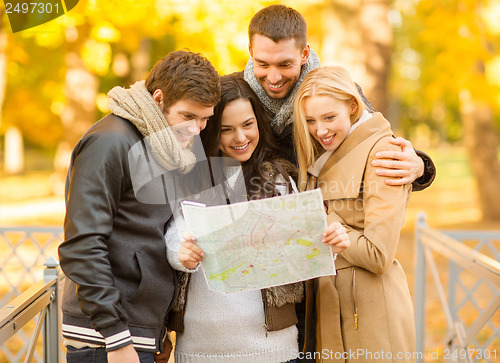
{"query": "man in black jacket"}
pixel 119 285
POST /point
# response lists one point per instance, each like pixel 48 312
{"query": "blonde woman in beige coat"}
pixel 364 313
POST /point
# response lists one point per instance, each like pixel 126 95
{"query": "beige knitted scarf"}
pixel 137 105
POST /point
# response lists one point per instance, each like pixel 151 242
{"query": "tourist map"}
pixel 262 243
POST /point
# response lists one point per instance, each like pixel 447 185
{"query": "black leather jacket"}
pixel 120 285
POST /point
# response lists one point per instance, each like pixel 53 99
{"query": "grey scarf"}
pixel 137 105
pixel 282 109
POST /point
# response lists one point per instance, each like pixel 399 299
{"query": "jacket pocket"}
pixel 149 305
pixel 142 284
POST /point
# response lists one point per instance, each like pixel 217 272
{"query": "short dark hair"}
pixel 185 75
pixel 279 22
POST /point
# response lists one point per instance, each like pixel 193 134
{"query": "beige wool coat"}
pixel 366 308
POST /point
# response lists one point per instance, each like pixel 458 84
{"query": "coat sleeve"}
pixel 429 172
pixel 384 207
pixel 97 177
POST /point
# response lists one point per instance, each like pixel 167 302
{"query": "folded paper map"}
pixel 262 243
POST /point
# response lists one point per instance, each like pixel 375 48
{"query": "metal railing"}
pixel 40 299
pixel 462 343
pixel 23 253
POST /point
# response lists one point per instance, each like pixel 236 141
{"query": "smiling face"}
pixel 239 130
pixel 277 66
pixel 186 119
pixel 328 119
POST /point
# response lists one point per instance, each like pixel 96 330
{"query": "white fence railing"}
pixel 471 304
pixel 42 300
pixel 473 284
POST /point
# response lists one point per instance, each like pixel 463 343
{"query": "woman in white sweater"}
pixel 249 326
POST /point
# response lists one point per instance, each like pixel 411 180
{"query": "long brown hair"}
pixel 234 87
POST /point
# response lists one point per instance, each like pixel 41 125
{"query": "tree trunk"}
pixel 342 41
pixel 141 61
pixel 482 147
pixel 377 44
pixel 3 67
pixel 358 36
pixel 14 151
pixel 3 75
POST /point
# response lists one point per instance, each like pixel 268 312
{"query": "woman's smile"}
pixel 239 131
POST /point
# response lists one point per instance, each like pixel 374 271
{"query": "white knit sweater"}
pixel 222 328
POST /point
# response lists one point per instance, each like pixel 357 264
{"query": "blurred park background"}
pixel 431 66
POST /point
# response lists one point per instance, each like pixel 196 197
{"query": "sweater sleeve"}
pixel 96 180
pixel 173 241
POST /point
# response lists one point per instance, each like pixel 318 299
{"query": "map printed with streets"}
pixel 263 243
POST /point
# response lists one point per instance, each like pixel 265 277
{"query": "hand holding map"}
pixel 262 243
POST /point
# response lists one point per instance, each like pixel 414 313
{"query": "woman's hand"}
pixel 189 252
pixel 336 236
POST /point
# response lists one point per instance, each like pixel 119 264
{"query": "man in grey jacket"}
pixel 280 58
pixel 119 285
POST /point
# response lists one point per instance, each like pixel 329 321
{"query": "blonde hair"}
pixel 335 82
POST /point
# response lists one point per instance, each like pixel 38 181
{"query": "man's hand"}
pixel 404 166
pixel 167 349
pixel 126 354
pixel 189 252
